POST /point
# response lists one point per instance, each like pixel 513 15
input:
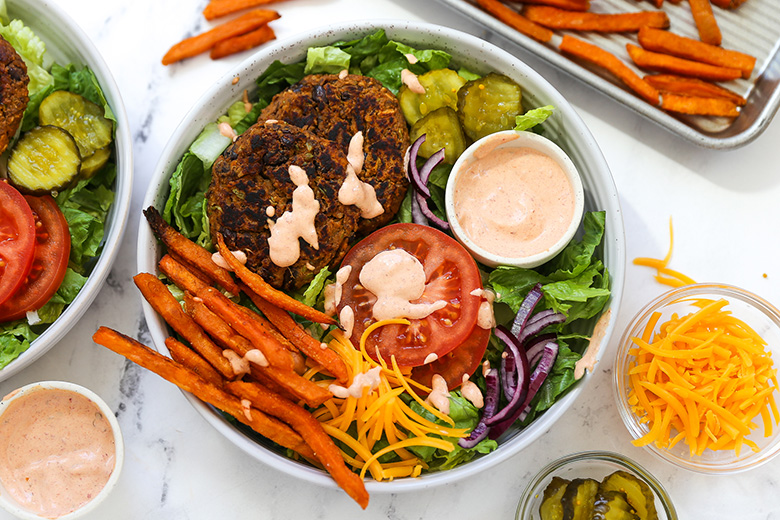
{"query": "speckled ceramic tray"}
pixel 754 28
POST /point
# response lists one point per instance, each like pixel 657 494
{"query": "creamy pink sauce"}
pixel 226 130
pixel 410 79
pixel 588 359
pixel 284 249
pixel 397 278
pixel 513 202
pixel 56 451
pixel 353 191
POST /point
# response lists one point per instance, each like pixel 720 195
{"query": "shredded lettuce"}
pixel 186 204
pixel 326 60
pixel 533 117
pixel 210 144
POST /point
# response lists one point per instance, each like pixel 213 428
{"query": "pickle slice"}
pixel 441 90
pixel 45 159
pixel 442 130
pixel 551 508
pixel 82 118
pixel 488 105
pixel 577 500
pixel 90 165
pixel 638 494
pixel 612 505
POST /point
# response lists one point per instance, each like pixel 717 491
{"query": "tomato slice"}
pixel 17 240
pixel 50 260
pixel 451 275
pixel 463 360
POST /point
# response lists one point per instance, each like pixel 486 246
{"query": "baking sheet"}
pixel 753 28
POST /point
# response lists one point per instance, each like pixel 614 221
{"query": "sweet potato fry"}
pixel 515 20
pixel 606 60
pixel 671 84
pixel 674 65
pixel 699 106
pixel 219 8
pixel 190 382
pixel 569 5
pixel 310 429
pixel 264 290
pixel 706 24
pixel 187 280
pixel 191 252
pixel 202 42
pixel 187 357
pixel 728 4
pixel 243 42
pixel 669 43
pixel 621 22
pixel 287 382
pixel 295 333
pixel 161 299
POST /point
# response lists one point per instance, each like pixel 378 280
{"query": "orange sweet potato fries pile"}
pixel 687 68
pixel 246 364
pixel 240 34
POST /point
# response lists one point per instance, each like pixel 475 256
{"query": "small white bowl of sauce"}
pixel 61 451
pixel 514 198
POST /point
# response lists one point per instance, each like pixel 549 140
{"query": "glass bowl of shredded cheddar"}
pixel 695 378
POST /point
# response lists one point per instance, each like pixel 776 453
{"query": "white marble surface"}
pixel 726 218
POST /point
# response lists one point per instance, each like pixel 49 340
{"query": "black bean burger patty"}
pixel 336 108
pixel 13 92
pixel 253 175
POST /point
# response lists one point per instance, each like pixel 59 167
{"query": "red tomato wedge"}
pixel 451 275
pixel 463 360
pixel 17 240
pixel 50 261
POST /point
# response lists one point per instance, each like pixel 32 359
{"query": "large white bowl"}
pixel 67 43
pixel 565 128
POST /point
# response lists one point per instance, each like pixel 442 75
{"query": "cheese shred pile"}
pixel 663 274
pixel 384 423
pixel 703 378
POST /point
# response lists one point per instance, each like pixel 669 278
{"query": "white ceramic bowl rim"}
pixel 11 505
pixel 749 459
pixel 540 144
pixel 215 102
pixel 54 26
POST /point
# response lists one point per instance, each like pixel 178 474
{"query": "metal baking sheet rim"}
pixel 626 98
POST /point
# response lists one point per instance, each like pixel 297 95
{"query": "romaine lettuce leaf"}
pixel 186 204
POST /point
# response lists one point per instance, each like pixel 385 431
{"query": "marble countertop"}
pixel 726 221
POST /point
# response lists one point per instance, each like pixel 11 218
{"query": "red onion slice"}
pixel 414 174
pixel 536 325
pixel 522 369
pixel 430 215
pixel 491 404
pixel 526 308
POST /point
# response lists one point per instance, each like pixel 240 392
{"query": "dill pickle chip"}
pixel 442 130
pixel 90 165
pixel 488 105
pixel 578 499
pixel 638 494
pixel 82 118
pixel 441 90
pixel 612 505
pixel 551 507
pixel 45 159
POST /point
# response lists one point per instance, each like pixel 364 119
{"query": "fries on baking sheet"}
pixel 577 21
pixel 516 20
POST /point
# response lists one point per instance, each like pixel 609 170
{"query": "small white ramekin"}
pixel 12 506
pixel 515 139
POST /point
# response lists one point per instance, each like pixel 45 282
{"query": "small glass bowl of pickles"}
pixel 595 485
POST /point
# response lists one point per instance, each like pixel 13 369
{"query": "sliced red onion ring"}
pixel 432 162
pixel 418 217
pixel 526 308
pixel 508 373
pixel 414 174
pixel 536 325
pixel 538 377
pixel 491 404
pixel 534 348
pixel 522 369
pixel 430 215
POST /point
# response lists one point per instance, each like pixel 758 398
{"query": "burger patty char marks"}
pixel 337 108
pixel 253 175
pixel 13 92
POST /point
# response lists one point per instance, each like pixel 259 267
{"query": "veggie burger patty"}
pixel 13 92
pixel 252 175
pixel 336 108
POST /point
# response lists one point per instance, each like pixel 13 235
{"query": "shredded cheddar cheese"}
pixel 703 378
pixel 663 274
pixel 360 423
